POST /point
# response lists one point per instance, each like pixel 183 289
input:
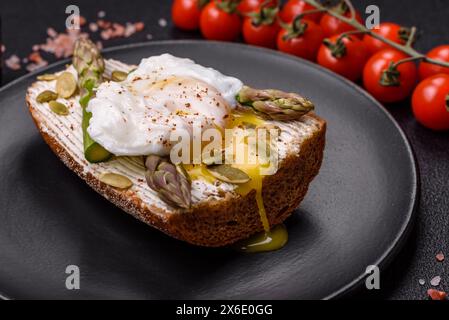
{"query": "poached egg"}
pixel 137 116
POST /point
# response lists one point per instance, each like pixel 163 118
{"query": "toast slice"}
pixel 219 216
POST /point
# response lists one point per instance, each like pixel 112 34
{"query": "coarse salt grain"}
pixel 13 62
pixel 162 22
pixel 435 281
pixel 93 27
pixel 139 26
pixel 52 32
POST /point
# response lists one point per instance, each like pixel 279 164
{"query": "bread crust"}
pixel 215 223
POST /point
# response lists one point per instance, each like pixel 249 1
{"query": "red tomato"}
pixel 333 26
pixel 293 8
pixel 346 56
pixel 262 29
pixel 439 53
pixel 186 14
pixel 304 45
pixel 248 6
pixel 374 70
pixel 391 31
pixel 430 104
pixel 217 24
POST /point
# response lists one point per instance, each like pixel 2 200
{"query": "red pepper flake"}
pixel 82 21
pixel 35 57
pixel 436 294
pixel 440 257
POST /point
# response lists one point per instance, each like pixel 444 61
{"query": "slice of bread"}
pixel 219 216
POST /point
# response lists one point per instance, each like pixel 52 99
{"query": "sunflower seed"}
pixel 229 174
pixel 66 85
pixel 46 96
pixel 116 180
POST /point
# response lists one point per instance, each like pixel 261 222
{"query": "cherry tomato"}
pixel 333 26
pixel 262 29
pixel 218 24
pixel 295 7
pixel 344 55
pixel 391 31
pixel 430 104
pixel 374 72
pixel 305 44
pixel 439 53
pixel 248 6
pixel 186 14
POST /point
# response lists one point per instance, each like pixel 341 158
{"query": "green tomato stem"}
pixel 407 49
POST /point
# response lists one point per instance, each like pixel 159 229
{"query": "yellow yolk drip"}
pixel 270 239
pixel 252 170
pixel 273 240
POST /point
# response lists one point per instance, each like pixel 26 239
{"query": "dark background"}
pixel 24 23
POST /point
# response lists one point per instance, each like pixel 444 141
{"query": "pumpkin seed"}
pixel 118 76
pixel 47 77
pixel 229 174
pixel 116 180
pixel 58 108
pixel 46 96
pixel 66 85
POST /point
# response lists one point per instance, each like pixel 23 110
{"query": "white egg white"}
pixel 165 93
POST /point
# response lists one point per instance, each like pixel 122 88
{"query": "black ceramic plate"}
pixel 357 212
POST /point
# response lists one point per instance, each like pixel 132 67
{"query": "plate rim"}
pixel 402 235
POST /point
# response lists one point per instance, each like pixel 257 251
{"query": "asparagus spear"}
pixel 90 66
pixel 275 104
pixel 170 181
